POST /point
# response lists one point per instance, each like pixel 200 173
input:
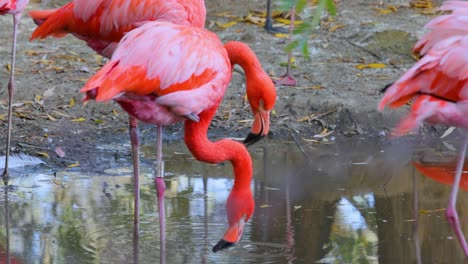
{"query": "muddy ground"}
pixel 333 95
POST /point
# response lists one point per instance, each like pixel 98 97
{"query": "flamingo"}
pixel 15 8
pixel 162 73
pixel 103 23
pixel 439 84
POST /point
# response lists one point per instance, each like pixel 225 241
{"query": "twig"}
pixel 299 145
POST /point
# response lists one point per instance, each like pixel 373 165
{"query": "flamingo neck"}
pixel 239 53
pixel 196 139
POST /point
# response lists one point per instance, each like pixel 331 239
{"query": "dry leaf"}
pixel 81 119
pixel 371 66
pixel 281 35
pixel 226 25
pixel 448 132
pixel 73 165
pixel 43 154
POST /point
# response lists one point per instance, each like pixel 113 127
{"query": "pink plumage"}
pixel 12 6
pixel 102 23
pixel 161 72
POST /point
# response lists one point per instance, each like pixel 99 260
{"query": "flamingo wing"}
pixel 442 72
pixel 445 26
pixel 102 22
pixel 187 69
pixel 12 6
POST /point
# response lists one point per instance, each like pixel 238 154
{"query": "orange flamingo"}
pixel 163 73
pixel 439 84
pixel 15 8
pixel 103 23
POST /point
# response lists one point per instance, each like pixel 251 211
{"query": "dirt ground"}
pixel 333 94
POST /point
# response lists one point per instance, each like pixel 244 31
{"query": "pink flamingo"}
pixel 103 23
pixel 162 73
pixel 439 84
pixel 15 8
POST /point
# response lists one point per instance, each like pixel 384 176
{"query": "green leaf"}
pixel 330 5
pixel 294 44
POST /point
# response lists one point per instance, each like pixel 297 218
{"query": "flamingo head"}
pixel 261 94
pixel 240 207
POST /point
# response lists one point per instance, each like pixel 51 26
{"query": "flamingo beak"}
pixel 260 127
pixel 231 237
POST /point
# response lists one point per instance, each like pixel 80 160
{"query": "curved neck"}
pixel 240 54
pixel 196 139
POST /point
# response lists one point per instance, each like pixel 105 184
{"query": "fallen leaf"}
pixel 43 154
pixel 288 21
pixel 448 132
pixel 73 165
pixel 80 119
pixel 371 66
pixel 281 35
pixel 226 25
pixel 336 27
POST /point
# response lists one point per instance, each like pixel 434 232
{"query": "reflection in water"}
pixel 6 258
pixel 417 247
pixel 331 210
pixel 352 240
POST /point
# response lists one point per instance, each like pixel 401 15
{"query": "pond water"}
pixel 353 202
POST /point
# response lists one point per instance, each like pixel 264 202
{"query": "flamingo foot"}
pixel 274 30
pixel 452 217
pixel 287 80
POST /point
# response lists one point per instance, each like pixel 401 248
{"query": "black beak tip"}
pixel 252 138
pixel 222 244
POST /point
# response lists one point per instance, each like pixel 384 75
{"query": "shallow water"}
pixel 353 203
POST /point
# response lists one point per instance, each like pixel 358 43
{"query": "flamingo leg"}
pixel 269 22
pixel 134 139
pixel 287 79
pixel 160 189
pixel 11 90
pixel 451 213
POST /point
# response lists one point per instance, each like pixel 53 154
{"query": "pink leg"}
pixel 159 160
pixel 287 79
pixel 451 212
pixel 134 139
pixel 11 90
pixel 160 189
